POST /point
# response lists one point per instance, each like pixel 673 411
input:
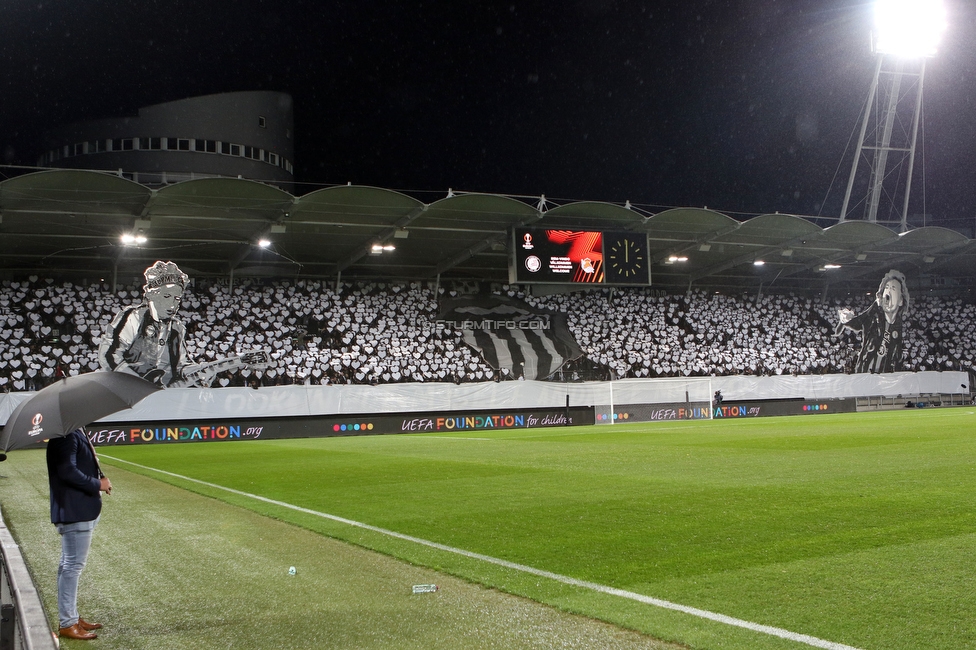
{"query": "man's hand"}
pixel 105 486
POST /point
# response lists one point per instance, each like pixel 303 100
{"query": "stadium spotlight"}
pixel 906 33
pixel 909 29
pixel 136 238
pixel 759 263
pixel 264 243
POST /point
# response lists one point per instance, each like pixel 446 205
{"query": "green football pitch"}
pixel 831 531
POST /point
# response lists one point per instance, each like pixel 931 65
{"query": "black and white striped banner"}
pixel 510 334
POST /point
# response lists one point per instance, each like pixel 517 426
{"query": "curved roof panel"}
pixel 487 212
pixel 592 215
pixel 221 194
pixel 69 222
pixel 932 237
pixel 775 229
pixel 63 191
pixel 352 204
pixel 854 235
pixel 462 234
pixel 213 210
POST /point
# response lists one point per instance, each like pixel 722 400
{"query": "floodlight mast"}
pixel 907 33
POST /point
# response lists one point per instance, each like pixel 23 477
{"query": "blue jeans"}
pixel 75 542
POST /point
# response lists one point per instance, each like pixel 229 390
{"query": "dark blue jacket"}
pixel 73 473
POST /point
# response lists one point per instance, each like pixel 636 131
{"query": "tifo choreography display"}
pixel 377 333
pixel 148 339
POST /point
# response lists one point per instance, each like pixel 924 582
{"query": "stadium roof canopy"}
pixel 69 222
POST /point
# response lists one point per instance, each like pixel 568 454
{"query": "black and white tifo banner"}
pixel 510 334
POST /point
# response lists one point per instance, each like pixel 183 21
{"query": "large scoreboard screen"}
pixel 579 257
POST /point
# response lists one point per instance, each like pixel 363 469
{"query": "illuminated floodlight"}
pixel 828 267
pixel 264 243
pixel 379 249
pixel 759 263
pixel 909 28
pixel 677 258
pixel 130 239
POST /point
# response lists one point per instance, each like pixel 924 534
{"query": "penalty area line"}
pixel 567 580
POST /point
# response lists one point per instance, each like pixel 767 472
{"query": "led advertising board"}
pixel 579 257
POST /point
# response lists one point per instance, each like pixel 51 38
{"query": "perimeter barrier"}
pixel 23 622
pixel 180 415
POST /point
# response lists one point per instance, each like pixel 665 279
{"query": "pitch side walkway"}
pixel 174 570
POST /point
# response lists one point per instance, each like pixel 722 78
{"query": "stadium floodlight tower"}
pixel 907 32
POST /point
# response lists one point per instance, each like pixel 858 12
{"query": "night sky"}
pixel 744 107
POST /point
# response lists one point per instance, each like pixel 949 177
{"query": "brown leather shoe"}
pixel 76 632
pixel 89 626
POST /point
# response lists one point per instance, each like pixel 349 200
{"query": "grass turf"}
pixel 172 570
pixel 857 528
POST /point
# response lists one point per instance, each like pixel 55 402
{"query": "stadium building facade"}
pixel 240 134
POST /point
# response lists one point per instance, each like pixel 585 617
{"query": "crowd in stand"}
pixel 381 333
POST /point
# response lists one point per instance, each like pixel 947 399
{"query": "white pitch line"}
pixel 593 586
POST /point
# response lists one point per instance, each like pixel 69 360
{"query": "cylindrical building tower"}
pixel 239 134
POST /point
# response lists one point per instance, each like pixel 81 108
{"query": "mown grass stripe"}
pixel 648 600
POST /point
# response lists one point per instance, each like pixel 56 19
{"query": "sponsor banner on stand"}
pixel 728 409
pixel 771 407
pixel 623 413
pixel 327 426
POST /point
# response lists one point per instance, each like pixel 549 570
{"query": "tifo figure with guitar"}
pixel 149 340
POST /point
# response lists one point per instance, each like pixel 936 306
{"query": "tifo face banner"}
pixel 511 335
pixel 881 326
pixel 148 339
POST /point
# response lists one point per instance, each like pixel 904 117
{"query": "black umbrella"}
pixel 70 403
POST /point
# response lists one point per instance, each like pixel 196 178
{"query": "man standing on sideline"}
pixel 76 504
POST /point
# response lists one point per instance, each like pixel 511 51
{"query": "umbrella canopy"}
pixel 69 404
